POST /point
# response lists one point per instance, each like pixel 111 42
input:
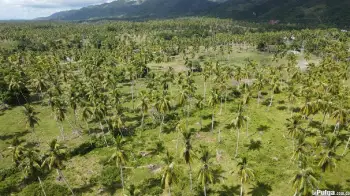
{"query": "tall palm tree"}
pixel 169 173
pixel 304 181
pixel 206 173
pixel 30 164
pixel 31 116
pixel 17 151
pixel 328 155
pixel 294 127
pixel 188 152
pixel 120 157
pixel 54 159
pixel 163 106
pixel 144 105
pixel 60 111
pixel 212 101
pixel 245 173
pixel 238 123
pixel 200 103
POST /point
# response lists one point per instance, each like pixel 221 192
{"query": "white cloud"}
pixel 29 9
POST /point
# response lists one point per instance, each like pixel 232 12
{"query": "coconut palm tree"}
pixel 328 156
pixel 206 173
pixel 238 123
pixel 245 173
pixel 31 116
pixel 169 175
pixel 163 106
pixel 60 111
pixel 144 105
pixel 200 103
pixel 30 165
pixel 212 101
pixel 294 127
pixel 304 181
pixel 54 159
pixel 17 150
pixel 188 152
pixel 120 157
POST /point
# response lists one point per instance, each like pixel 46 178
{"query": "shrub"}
pixel 50 189
pixel 110 176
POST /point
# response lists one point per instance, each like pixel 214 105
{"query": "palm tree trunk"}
pixel 103 133
pixel 41 185
pixel 169 190
pixel 220 106
pixel 241 188
pixel 205 190
pixel 188 114
pixel 219 136
pixel 346 147
pixel 247 127
pixel 225 101
pixel 65 181
pixel 62 131
pixel 161 125
pixel 191 186
pixel 212 121
pixel 132 94
pixel 122 178
pixel 142 120
pixel 237 143
pixel 205 90
pixel 271 100
pixel 259 98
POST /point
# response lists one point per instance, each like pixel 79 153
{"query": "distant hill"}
pixel 303 11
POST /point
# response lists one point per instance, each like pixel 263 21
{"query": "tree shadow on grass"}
pixel 260 189
pixel 282 108
pixel 207 128
pixel 229 190
pixel 334 187
pixel 14 135
pixel 87 188
pixel 254 145
pixel 263 128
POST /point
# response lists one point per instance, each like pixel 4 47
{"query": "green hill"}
pixel 295 11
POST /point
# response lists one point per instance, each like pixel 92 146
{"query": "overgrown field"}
pixel 153 109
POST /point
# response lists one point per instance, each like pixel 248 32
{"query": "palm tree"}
pixel 169 173
pixel 163 106
pixel 144 103
pixel 238 123
pixel 212 101
pixel 120 157
pixel 301 149
pixel 304 181
pixel 200 103
pixel 60 111
pixel 17 150
pixel 31 116
pixel 294 127
pixel 188 152
pixel 54 159
pixel 30 164
pixel 328 155
pixel 245 173
pixel 206 173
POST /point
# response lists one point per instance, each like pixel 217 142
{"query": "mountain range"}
pixel 294 11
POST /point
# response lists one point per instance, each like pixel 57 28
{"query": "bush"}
pixel 110 176
pixel 50 189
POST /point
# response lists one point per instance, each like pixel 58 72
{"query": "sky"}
pixel 30 9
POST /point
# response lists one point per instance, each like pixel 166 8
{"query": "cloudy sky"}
pixel 29 9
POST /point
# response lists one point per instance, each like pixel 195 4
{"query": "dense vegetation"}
pixel 311 12
pixel 191 106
